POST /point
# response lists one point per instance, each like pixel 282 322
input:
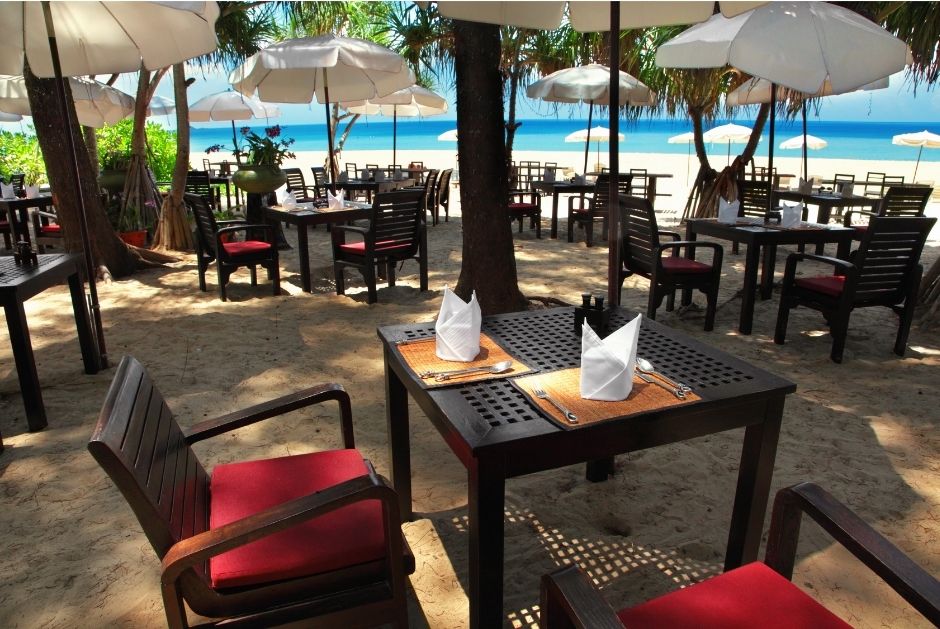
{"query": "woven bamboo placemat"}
pixel 420 356
pixel 565 387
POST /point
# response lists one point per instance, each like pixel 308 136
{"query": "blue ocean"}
pixel 847 140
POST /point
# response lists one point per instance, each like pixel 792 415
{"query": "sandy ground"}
pixel 74 555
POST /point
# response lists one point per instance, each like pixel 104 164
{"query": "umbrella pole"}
pixel 917 165
pixel 729 153
pixel 770 149
pixel 394 135
pixel 587 144
pixel 235 144
pixel 805 159
pixel 613 223
pixel 101 360
pixel 329 131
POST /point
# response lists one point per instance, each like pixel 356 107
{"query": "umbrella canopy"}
pixel 96 104
pixel 596 135
pixel 410 102
pixel 328 67
pixel 730 133
pixel 919 139
pixel 160 106
pixel 448 136
pixel 683 138
pixel 5 117
pixel 810 141
pixel 590 84
pixel 232 106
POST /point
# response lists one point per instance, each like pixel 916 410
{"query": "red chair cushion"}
pixel 750 596
pixel 348 536
pixel 51 228
pixel 522 207
pixel 831 285
pixel 236 249
pixel 860 228
pixel 5 224
pixel 684 265
pixel 382 246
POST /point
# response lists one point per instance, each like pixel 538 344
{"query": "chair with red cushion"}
pixel 641 252
pixel 46 229
pixel 883 271
pixel 397 232
pixel 264 542
pixel 758 594
pixel 7 232
pixel 215 242
pixel 524 201
pixel 587 211
pixel 898 201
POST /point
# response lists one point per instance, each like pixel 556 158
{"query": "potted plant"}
pixel 264 156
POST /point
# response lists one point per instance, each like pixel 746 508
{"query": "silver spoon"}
pixel 679 393
pixel 441 376
pixel 646 366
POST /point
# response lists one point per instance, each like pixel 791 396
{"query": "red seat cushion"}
pixel 831 285
pixel 750 596
pixel 684 265
pixel 235 249
pixel 5 224
pixel 861 228
pixel 345 537
pixel 382 246
pixel 522 207
pixel 51 228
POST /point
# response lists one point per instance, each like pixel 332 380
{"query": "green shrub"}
pixel 19 153
pixel 114 147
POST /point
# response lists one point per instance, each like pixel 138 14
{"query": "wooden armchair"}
pixel 6 229
pixel 213 244
pixel 524 201
pixel 199 182
pixel 641 253
pixel 47 230
pixel 18 181
pixel 429 194
pixel 442 196
pixel 296 184
pixel 320 181
pixel 758 594
pixel 587 211
pixel 397 231
pixel 262 542
pixel 883 271
pixel 899 201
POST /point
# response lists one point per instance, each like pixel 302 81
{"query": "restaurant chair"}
pixel 263 542
pixel 396 232
pixel 428 194
pixel 351 170
pixel 639 187
pixel 443 195
pixel 46 229
pixel 372 168
pixel 899 201
pixel 320 181
pixel 586 210
pixel 752 195
pixel 874 184
pixel 891 180
pixel 416 172
pixel 641 253
pixel 6 229
pixel 757 594
pixel 883 271
pixel 18 181
pixel 298 186
pixel 214 244
pixel 524 203
pixel 206 166
pixel 199 182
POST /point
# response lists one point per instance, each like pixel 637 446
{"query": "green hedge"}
pixel 114 147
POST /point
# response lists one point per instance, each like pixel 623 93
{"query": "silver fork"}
pixel 543 395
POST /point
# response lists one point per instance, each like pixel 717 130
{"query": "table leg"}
pixel 555 195
pixel 753 489
pixel 651 190
pixel 600 470
pixel 690 253
pixel 822 217
pixel 843 247
pixel 486 498
pixel 23 223
pixel 303 255
pixel 752 261
pixel 25 366
pixel 228 194
pixel 399 444
pixel 767 271
pixel 86 338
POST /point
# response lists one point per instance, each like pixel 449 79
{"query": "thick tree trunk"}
pixel 51 130
pixel 173 230
pixel 489 264
pixel 91 143
pixel 140 193
pixel 930 295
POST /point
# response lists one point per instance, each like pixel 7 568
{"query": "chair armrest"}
pixel 885 559
pixel 587 202
pixel 718 251
pixel 673 235
pixel 790 272
pixel 847 217
pixel 350 228
pixel 570 601
pixel 195 550
pixel 230 222
pixel 273 408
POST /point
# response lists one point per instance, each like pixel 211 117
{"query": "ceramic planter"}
pixel 259 179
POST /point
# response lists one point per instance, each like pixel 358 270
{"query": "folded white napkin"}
pixel 335 202
pixel 458 328
pixel 288 201
pixel 791 215
pixel 607 364
pixel 7 191
pixel 579 179
pixel 549 174
pixel 378 174
pixel 806 187
pixel 32 192
pixel 728 212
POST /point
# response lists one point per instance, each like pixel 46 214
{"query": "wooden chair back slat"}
pixel 138 443
pixel 206 226
pixel 396 220
pixel 295 182
pixel 640 237
pixel 886 257
pixel 753 197
pixel 197 182
pixel 905 201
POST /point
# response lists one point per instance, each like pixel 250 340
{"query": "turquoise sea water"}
pixel 847 140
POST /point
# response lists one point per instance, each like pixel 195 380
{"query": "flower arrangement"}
pixel 267 150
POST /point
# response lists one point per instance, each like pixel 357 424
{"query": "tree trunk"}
pixel 140 193
pixel 514 73
pixel 489 264
pixel 51 130
pixel 173 230
pixel 930 295
pixel 91 143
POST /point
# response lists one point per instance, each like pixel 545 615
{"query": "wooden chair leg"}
pixel 783 315
pixel 222 280
pixel 368 273
pixel 390 271
pixel 339 278
pixel 538 225
pixel 839 330
pixel 711 297
pixel 253 271
pixel 589 233
pixel 275 273
pixel 907 313
pixel 571 222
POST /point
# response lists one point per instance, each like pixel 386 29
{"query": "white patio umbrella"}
pixel 96 104
pixel 229 105
pixel 685 138
pixel 410 102
pixel 86 38
pixel 328 67
pixel 798 45
pixel 919 139
pixel 160 106
pixel 589 84
pixel 807 141
pixel 5 117
pixel 448 136
pixel 596 135
pixel 730 133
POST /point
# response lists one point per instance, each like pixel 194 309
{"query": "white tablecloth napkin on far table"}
pixel 335 202
pixel 607 364
pixel 728 211
pixel 458 328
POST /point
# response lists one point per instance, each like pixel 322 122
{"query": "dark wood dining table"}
pixel 826 202
pixel 760 237
pixel 309 217
pixel 17 211
pixel 497 435
pixel 21 282
pixel 370 186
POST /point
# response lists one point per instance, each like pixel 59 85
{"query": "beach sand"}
pixel 866 430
